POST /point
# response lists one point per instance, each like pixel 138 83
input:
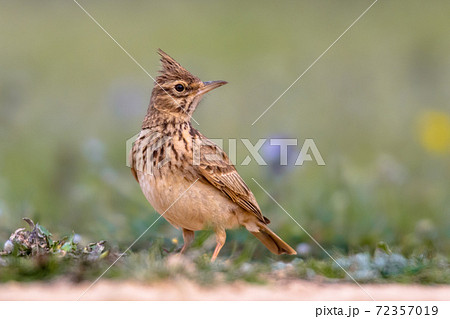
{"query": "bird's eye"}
pixel 179 87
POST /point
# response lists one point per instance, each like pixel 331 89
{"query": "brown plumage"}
pixel 185 176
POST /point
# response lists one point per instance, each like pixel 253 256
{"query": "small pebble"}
pixel 76 239
pixel 303 249
pixel 8 247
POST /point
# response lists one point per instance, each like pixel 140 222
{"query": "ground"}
pixel 187 290
pixel 34 266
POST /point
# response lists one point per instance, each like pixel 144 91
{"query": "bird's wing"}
pixel 214 165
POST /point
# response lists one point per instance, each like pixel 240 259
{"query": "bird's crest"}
pixel 172 70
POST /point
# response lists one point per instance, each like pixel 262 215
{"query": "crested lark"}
pixel 187 178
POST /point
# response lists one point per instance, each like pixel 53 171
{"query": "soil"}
pixel 185 290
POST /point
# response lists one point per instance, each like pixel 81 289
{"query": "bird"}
pixel 188 179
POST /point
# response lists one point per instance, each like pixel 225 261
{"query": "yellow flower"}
pixel 175 241
pixel 435 131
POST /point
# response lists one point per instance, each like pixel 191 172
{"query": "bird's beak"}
pixel 211 85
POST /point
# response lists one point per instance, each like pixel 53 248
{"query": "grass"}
pixel 156 265
pixel 32 257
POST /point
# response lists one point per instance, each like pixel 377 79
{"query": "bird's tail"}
pixel 271 240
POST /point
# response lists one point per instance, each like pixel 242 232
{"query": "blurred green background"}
pixel 376 105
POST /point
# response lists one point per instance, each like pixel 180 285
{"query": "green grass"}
pixel 156 265
pixel 27 259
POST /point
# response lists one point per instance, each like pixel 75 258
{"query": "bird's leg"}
pixel 188 237
pixel 221 236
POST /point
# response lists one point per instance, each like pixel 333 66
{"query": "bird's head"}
pixel 176 91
